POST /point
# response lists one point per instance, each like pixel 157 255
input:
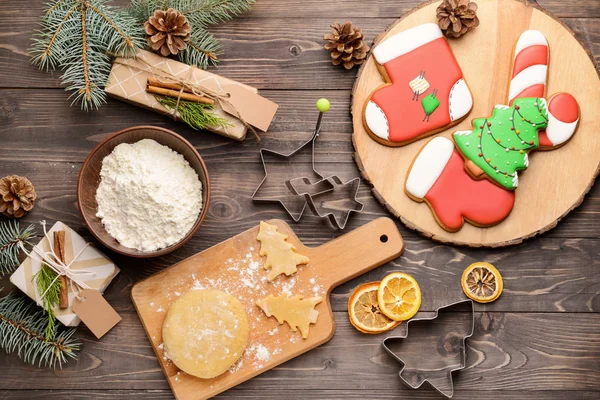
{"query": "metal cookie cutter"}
pixel 336 204
pixel 275 186
pixel 326 197
pixel 433 348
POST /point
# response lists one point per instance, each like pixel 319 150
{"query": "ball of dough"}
pixel 205 332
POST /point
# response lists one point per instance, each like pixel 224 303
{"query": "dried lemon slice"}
pixel 482 282
pixel 364 312
pixel 399 296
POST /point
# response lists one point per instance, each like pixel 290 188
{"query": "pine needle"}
pixel 22 326
pixel 11 238
pixel 76 36
pixel 49 286
pixel 196 115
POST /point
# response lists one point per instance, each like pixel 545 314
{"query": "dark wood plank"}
pixel 532 281
pixel 314 394
pixel 273 53
pixel 48 144
pixel 509 352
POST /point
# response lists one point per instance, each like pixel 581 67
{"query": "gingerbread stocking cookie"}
pixel 474 178
pixel 425 90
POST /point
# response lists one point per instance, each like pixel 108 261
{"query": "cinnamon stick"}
pixel 165 91
pixel 59 250
pixel 167 85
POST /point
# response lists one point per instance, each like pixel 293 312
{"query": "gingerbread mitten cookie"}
pixel 474 178
pixel 437 177
pixel 425 90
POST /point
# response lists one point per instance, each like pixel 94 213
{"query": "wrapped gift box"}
pixel 91 259
pixel 128 76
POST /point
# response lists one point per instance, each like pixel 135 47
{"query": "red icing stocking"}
pixel 438 177
pixel 425 90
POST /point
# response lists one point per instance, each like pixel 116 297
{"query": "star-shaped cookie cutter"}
pixel 434 375
pixel 320 193
pixel 336 204
pixel 282 191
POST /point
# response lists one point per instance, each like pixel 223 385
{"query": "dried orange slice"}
pixel 399 296
pixel 364 312
pixel 482 282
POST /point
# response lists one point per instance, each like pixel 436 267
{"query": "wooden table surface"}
pixel 540 340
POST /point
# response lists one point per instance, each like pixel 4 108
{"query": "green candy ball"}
pixel 323 105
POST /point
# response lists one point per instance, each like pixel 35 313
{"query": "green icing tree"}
pixel 499 144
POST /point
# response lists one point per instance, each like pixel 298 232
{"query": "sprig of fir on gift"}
pixel 77 37
pixel 12 237
pixel 48 286
pixel 193 46
pixel 22 326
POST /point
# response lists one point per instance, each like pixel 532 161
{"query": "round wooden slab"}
pixel 556 181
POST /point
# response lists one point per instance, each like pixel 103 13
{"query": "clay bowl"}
pixel 89 179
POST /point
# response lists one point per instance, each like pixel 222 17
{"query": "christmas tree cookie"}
pixel 298 312
pixel 498 146
pixel 425 91
pixel 473 178
pixel 281 255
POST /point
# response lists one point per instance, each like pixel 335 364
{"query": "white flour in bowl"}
pixel 149 196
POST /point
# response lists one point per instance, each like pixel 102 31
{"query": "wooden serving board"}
pixel 555 182
pixel 235 266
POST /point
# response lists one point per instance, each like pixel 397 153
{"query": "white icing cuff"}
pixel 460 100
pixel 558 131
pixel 428 166
pixel 530 38
pixel 406 41
pixel 376 120
pixel 534 75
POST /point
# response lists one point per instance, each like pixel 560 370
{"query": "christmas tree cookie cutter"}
pixel 431 353
pixel 328 197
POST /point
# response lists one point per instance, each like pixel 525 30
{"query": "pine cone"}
pixel 17 196
pixel 457 17
pixel 167 32
pixel 347 45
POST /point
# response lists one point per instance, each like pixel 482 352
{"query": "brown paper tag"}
pixel 95 312
pixel 252 107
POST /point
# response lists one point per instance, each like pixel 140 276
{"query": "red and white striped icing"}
pixel 530 66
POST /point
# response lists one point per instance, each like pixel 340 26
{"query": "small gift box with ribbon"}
pixel 239 105
pixel 80 266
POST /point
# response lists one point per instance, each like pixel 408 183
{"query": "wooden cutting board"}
pixel 235 266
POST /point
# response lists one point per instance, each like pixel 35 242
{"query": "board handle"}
pixel 359 251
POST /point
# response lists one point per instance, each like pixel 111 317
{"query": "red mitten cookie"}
pixel 438 177
pixel 425 90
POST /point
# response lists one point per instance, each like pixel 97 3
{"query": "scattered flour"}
pixel 149 197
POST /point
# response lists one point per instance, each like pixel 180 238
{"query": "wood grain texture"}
pixel 235 266
pixel 538 341
pixel 573 167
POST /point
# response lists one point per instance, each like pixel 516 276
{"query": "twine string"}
pixel 51 259
pixel 197 89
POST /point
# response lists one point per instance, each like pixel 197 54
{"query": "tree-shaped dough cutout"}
pixel 298 312
pixel 281 255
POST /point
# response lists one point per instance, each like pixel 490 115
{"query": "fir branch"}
pixel 11 239
pixel 48 286
pixel 86 90
pixel 76 36
pixel 196 115
pixel 21 331
pixel 43 59
pixel 203 48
